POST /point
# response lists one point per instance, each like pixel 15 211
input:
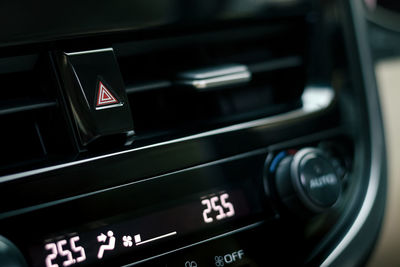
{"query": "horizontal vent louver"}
pixel 33 128
pixel 161 105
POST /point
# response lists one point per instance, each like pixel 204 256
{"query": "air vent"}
pixel 262 73
pixel 33 128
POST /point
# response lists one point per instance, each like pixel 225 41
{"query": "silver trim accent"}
pixel 374 176
pixel 320 101
pixel 315 98
pixel 360 219
pixel 213 77
pixel 90 51
pixel 110 106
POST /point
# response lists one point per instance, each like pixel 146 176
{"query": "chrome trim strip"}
pixel 360 219
pixel 231 79
pixel 110 106
pixel 376 145
pixel 90 51
pixel 213 77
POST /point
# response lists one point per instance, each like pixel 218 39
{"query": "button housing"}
pixel 315 179
pixel 86 75
pixel 10 254
pixel 305 181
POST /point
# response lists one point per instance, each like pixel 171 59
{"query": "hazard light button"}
pixel 106 99
pixel 96 96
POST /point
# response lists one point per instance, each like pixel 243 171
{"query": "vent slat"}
pixel 147 86
pixel 35 131
pixel 276 64
pixel 167 99
pixel 17 106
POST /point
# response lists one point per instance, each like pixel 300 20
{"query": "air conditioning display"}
pixel 99 241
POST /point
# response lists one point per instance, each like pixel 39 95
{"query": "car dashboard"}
pixel 189 133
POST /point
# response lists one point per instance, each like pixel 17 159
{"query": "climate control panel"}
pixel 177 217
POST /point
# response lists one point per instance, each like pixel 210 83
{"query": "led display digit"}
pixel 219 204
pixel 60 250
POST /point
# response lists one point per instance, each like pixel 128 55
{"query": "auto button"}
pixel 319 180
pixel 306 180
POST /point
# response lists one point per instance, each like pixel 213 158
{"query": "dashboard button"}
pixel 319 180
pixel 306 181
pixel 96 95
pixel 10 255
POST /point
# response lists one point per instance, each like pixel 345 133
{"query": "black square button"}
pixel 96 95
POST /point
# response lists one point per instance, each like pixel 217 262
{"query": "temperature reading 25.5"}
pixel 217 207
pixel 61 249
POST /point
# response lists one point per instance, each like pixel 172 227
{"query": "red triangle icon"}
pixel 105 97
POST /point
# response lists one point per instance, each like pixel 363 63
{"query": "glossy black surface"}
pixel 97 98
pixel 151 208
pixel 100 185
pixel 44 20
pixel 149 161
pixel 315 179
pixel 251 248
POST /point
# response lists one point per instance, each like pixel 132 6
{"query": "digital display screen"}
pixel 98 241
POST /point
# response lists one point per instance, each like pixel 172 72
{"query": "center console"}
pixel 230 134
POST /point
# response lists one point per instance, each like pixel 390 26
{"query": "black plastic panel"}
pixel 44 20
pixel 150 208
pixel 149 161
pixel 97 189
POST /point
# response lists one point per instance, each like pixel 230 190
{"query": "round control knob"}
pixel 307 176
pixel 10 255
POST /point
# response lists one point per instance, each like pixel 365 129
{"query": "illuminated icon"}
pixel 105 97
pixel 110 246
pixel 190 264
pixel 219 261
pixel 138 239
pixel 229 258
pixel 223 210
pixel 64 248
pixel 127 241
